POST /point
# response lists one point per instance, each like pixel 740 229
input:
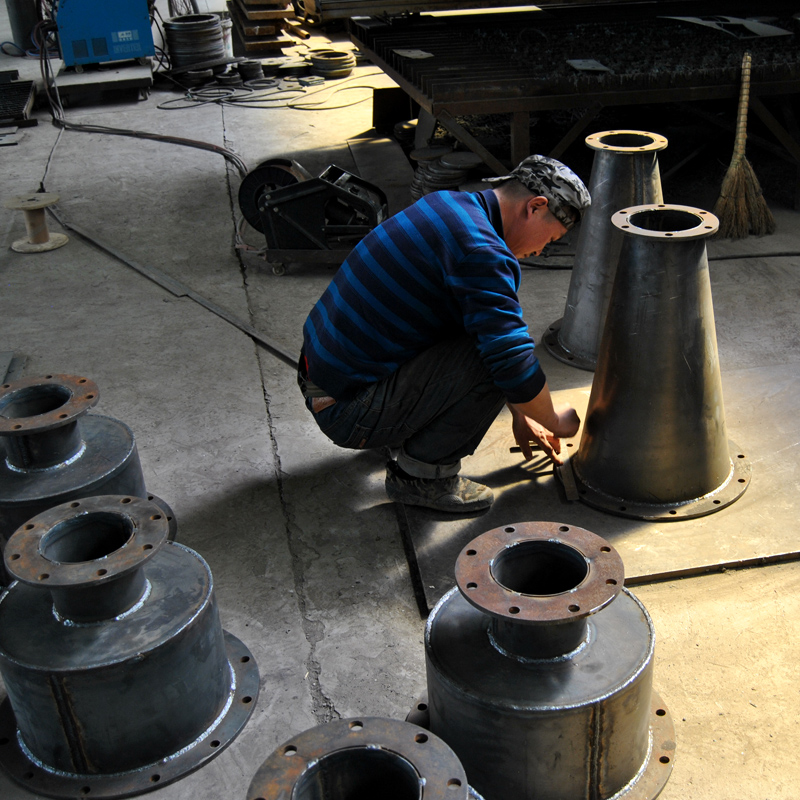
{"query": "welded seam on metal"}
pixel 181 290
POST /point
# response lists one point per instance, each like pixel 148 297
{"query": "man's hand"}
pixel 528 431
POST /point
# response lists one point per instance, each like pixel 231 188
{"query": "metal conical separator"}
pixel 654 442
pixel 624 173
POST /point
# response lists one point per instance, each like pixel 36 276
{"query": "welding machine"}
pixel 96 31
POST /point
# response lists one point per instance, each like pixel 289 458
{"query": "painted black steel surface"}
pixel 119 675
pixel 55 451
pixel 654 443
pixel 539 670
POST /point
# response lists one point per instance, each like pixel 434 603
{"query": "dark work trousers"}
pixel 435 408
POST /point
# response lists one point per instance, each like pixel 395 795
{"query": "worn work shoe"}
pixel 444 494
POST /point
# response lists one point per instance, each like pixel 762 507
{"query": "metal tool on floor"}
pixel 625 172
pixel 540 670
pixel 39 238
pixel 362 757
pixel 120 677
pixel 654 443
pixel 56 451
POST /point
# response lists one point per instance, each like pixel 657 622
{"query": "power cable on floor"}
pixel 42 32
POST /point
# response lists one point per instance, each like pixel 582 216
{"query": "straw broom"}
pixel 741 207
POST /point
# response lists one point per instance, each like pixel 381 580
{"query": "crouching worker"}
pixel 419 340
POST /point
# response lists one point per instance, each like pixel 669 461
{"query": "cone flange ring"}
pixel 722 497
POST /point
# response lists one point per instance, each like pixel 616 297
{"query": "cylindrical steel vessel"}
pixel 539 668
pixel 624 173
pixel 367 757
pixel 654 442
pixel 55 451
pixel 120 678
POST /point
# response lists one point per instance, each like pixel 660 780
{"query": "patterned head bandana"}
pixel 549 178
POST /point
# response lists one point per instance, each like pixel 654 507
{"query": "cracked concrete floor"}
pixel 309 568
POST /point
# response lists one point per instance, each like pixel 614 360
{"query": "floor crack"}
pixel 323 706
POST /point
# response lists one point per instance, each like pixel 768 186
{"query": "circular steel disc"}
pixel 478 583
pixel 24 553
pixel 626 141
pixel 275 173
pixel 77 395
pixel 677 223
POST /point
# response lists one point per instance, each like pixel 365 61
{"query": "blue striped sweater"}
pixel 438 269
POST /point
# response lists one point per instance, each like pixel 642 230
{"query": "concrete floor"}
pixel 309 568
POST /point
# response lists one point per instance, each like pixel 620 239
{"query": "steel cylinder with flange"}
pixel 654 442
pixel 119 676
pixel 364 757
pixel 540 668
pixel 625 172
pixel 54 451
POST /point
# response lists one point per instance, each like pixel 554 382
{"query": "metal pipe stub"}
pixel 625 172
pixel 539 670
pixel 55 451
pixel 657 385
pixel 119 676
pixel 364 757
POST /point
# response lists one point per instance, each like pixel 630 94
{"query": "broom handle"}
pixel 744 102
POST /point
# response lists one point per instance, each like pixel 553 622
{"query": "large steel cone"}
pixel 624 173
pixel 654 443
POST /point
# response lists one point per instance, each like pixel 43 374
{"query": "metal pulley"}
pixel 55 451
pixel 267 177
pixel 365 757
pixel 119 676
pixel 625 172
pixel 657 385
pixel 539 670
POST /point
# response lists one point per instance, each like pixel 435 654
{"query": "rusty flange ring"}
pixel 73 394
pixel 671 222
pixel 437 767
pixel 626 141
pixel 600 582
pixel 25 555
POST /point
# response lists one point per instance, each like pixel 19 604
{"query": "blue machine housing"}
pixel 96 31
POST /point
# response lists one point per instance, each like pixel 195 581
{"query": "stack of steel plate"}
pixel 332 63
pixel 440 168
